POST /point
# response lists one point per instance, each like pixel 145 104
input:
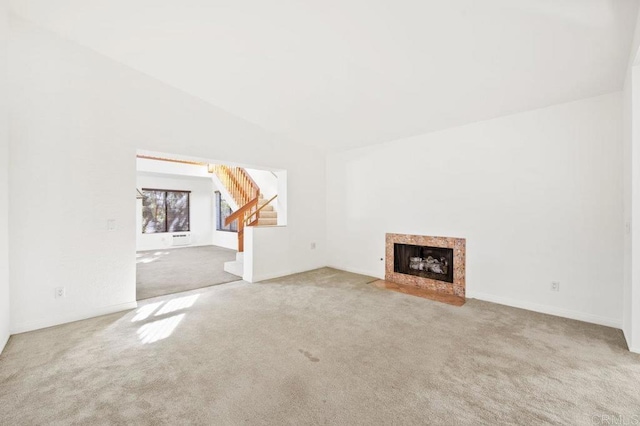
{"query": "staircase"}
pixel 237 182
pixel 254 209
pixel 268 215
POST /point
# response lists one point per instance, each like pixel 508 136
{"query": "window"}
pixel 223 211
pixel 165 211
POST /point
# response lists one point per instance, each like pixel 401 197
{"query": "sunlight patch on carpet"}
pixel 177 304
pixel 145 311
pixel 159 330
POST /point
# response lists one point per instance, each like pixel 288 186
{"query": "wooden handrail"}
pixel 240 213
pixel 171 160
pixel 244 217
pixel 244 191
pixel 246 220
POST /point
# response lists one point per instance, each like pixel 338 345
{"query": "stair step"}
pixel 268 214
pixel 267 222
pixel 235 267
pixel 268 208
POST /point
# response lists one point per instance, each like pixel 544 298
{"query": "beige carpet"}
pixel 321 347
pixel 169 271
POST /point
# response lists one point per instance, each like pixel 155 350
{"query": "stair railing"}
pixel 237 181
pixel 240 215
pixel 253 217
pixel 246 194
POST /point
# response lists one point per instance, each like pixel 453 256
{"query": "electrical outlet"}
pixel 555 286
pixel 313 246
pixel 60 292
pixel 111 225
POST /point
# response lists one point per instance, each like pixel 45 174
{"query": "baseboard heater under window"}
pixel 181 239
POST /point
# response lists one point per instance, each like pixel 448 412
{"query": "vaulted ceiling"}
pixel 345 73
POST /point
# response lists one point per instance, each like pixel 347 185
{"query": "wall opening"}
pixel 206 249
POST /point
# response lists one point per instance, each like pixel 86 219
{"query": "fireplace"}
pixel 435 264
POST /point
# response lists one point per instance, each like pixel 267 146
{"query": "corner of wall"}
pixel 3 341
pixel 4 182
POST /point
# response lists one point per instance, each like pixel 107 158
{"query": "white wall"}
pixel 631 200
pixel 226 239
pixel 627 201
pixel 266 180
pixel 266 254
pixel 201 209
pixel 537 195
pixel 631 294
pixel 4 185
pixel 631 170
pixel 281 201
pixel 78 120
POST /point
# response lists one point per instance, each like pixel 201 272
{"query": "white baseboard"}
pixel 265 277
pixel 551 310
pixel 169 247
pixel 76 316
pixel 357 271
pixel 545 309
pixel 281 274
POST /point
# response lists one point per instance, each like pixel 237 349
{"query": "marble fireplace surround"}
pixel 457 288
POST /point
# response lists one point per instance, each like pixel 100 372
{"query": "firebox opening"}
pixel 428 262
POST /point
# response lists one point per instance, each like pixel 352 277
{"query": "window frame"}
pixel 219 221
pixel 166 216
